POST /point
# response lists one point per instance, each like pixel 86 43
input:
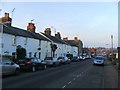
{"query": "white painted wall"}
pixel 45 49
pixel 32 45
pixel 8 44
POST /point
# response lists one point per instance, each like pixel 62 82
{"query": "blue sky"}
pixel 91 22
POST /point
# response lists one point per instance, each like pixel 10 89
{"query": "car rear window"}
pixel 60 57
pixel 98 58
pixel 48 58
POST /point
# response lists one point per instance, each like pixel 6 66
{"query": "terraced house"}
pixel 36 44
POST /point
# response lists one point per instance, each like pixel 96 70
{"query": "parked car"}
pixel 32 64
pixel 8 67
pixel 88 57
pixel 64 60
pixel 75 59
pixel 99 60
pixel 51 61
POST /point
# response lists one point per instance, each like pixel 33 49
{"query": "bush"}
pixel 8 56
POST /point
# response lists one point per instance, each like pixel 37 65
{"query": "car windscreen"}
pixel 100 58
pixel 60 57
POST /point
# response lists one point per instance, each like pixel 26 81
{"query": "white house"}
pixel 34 43
pixel 63 47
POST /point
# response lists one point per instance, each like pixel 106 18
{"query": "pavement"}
pixel 111 76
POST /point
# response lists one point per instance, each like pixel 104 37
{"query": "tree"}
pixel 21 53
pixel 69 56
pixel 53 48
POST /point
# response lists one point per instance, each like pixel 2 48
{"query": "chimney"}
pixel 75 38
pixel 65 38
pixel 6 19
pixel 58 35
pixel 31 27
pixel 47 31
pixel 7 15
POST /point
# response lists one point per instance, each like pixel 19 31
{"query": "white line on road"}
pixel 69 82
pixel 64 86
pixel 79 74
pixel 73 78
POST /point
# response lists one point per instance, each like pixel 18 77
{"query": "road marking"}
pixel 73 78
pixel 64 86
pixel 79 74
pixel 69 82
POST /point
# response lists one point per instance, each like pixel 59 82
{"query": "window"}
pixel 39 54
pixel 14 54
pixel 25 41
pixel 39 42
pixel 13 40
pixel 30 54
pixel 6 61
pixel 35 54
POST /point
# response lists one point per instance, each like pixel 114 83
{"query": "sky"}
pixel 92 22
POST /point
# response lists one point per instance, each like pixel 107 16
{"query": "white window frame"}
pixel 13 40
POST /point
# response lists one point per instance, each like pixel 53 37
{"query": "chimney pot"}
pixel 47 31
pixel 65 38
pixel 31 27
pixel 6 19
pixel 75 38
pixel 58 35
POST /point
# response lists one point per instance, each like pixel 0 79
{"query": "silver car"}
pixel 8 67
pixel 51 61
pixel 99 60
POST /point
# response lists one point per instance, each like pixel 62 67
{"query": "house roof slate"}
pixel 70 42
pixel 21 32
pixel 55 39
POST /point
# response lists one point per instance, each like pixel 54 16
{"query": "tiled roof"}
pixel 55 39
pixel 71 42
pixel 21 32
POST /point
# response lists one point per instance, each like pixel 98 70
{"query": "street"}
pixel 81 74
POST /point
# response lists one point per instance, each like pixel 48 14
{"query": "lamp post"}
pixel 112 45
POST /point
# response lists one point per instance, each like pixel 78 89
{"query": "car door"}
pixel 8 67
pixel 35 62
pixel 0 66
pixel 38 63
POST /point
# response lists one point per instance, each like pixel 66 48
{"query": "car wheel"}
pixel 54 64
pixel 44 67
pixel 17 71
pixel 33 69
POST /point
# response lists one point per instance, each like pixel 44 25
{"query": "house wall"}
pixel 31 45
pixel 7 44
pixel 45 49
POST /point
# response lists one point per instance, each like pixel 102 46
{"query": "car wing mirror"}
pixel 12 63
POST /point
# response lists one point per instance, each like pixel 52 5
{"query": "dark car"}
pixel 32 64
pixel 8 67
pixel 75 59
